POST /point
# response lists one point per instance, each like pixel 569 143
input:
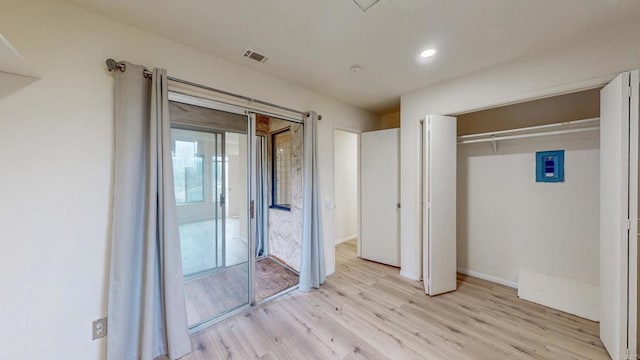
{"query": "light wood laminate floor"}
pixel 368 311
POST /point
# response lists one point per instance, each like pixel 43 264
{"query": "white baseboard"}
pixel 409 275
pixel 560 293
pixel 339 241
pixel 495 279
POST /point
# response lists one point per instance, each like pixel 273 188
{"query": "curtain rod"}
pixel 115 65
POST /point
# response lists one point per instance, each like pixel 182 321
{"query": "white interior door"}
pixel 618 204
pixel 379 154
pixel 439 204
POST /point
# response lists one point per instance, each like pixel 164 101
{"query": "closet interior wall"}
pixel 511 228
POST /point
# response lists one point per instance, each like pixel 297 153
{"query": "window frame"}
pixel 202 174
pixel 274 198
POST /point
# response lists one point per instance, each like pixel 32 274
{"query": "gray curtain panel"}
pixel 261 196
pixel 146 307
pixel 312 270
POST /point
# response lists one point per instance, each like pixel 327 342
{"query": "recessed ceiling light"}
pixel 428 53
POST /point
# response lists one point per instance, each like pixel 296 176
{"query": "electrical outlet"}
pixel 99 328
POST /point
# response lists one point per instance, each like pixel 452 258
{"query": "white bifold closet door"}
pixel 439 164
pixel 380 191
pixel 619 215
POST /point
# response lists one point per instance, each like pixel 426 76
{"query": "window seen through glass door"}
pixel 188 172
pixel 281 182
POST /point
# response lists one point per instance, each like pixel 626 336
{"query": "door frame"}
pixel 357 132
pixel 215 104
pixel 632 268
pixel 251 204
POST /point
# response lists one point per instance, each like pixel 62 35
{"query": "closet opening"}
pixel 528 199
pixel 548 203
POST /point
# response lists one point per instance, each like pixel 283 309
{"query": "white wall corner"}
pixel 574 297
pixel 491 278
pixel 347 238
pixel 410 275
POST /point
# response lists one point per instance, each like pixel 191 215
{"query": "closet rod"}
pixel 522 136
pixel 539 127
pixel 115 65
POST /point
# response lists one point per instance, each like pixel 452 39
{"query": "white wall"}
pixel 507 221
pixel 589 62
pixel 346 185
pixel 56 153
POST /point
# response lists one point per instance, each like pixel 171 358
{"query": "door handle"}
pixel 398 206
pixel 252 209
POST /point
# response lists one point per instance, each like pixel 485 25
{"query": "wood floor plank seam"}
pixel 366 310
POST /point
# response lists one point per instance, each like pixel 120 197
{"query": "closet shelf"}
pixel 15 71
pixel 568 127
pixel 11 62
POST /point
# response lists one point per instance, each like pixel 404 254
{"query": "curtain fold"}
pixel 146 306
pixel 312 267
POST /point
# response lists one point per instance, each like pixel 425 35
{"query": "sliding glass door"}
pixel 211 178
pixel 222 187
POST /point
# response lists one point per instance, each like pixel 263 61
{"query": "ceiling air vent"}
pixel 365 4
pixel 255 56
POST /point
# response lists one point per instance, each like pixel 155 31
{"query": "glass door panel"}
pixel 211 176
pixel 236 224
pixel 198 210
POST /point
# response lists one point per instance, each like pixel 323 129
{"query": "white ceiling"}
pixel 313 43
